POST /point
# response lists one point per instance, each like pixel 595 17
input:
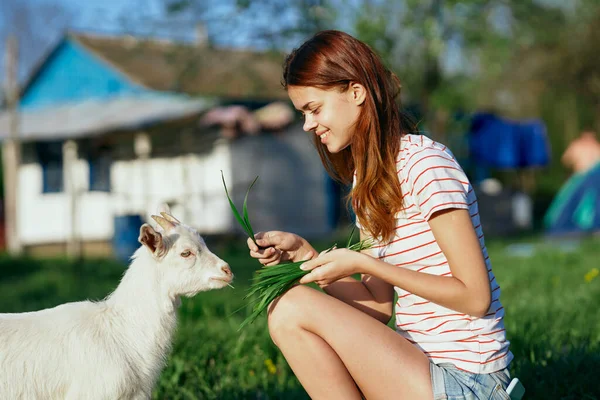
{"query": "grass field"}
pixel 553 322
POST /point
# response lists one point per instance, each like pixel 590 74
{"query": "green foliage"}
pixel 372 29
pixel 177 6
pixel 552 320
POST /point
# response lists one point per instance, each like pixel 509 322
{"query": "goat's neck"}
pixel 146 310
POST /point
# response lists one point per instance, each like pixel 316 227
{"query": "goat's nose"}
pixel 226 270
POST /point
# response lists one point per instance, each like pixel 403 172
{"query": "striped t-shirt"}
pixel 432 180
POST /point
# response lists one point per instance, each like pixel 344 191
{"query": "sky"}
pixel 139 17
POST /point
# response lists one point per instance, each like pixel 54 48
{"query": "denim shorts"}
pixel 451 383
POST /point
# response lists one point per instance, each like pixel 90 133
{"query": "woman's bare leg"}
pixel 330 345
pixel 318 368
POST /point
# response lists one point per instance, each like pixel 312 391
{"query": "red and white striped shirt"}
pixel 432 180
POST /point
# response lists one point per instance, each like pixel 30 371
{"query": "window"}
pixel 100 160
pixel 50 157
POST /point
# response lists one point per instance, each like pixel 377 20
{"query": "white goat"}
pixel 116 348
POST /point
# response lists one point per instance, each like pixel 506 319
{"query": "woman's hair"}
pixel 334 60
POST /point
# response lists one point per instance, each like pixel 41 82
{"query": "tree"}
pixel 273 24
pixel 36 26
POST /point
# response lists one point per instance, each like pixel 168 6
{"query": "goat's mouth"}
pixel 227 279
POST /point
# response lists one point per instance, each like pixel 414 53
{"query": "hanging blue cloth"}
pixel 496 142
pixel 534 147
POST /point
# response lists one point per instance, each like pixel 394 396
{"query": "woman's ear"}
pixel 358 93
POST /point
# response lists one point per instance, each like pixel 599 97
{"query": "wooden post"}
pixel 72 191
pixel 142 147
pixel 187 160
pixel 11 150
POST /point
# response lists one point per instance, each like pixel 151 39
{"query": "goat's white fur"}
pixel 116 348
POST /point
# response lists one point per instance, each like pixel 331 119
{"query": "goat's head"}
pixel 186 265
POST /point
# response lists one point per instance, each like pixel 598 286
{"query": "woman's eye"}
pixel 186 254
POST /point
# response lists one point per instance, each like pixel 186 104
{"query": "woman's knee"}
pixel 285 313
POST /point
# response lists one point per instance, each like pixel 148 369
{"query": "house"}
pixel 112 126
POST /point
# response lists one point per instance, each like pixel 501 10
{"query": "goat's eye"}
pixel 186 254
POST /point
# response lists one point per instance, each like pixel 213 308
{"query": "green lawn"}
pixel 552 320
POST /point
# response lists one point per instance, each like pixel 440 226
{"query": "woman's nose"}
pixel 309 124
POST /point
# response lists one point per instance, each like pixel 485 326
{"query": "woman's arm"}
pixel 468 289
pixel 371 295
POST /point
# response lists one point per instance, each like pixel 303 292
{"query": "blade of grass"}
pixel 351 235
pixel 245 210
pixel 236 214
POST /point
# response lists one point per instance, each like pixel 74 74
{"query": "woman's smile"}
pixel 323 135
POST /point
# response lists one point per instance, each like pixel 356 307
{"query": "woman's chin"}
pixel 333 149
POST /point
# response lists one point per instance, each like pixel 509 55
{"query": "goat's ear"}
pixel 163 208
pixel 165 224
pixel 170 218
pixel 165 211
pixel 151 239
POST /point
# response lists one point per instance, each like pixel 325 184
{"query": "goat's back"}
pixel 46 354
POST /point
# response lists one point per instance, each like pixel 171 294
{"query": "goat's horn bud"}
pixel 169 217
pixel 165 224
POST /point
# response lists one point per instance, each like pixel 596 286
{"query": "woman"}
pixel 411 196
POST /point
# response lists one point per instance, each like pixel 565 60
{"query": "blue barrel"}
pixel 125 240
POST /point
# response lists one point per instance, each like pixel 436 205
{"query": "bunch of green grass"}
pixel 269 283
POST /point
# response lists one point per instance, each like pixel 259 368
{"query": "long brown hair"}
pixel 333 60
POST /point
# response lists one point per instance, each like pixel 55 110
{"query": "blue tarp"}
pixel 576 207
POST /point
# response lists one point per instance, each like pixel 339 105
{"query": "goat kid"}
pixel 115 348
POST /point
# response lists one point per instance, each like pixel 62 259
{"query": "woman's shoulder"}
pixel 419 149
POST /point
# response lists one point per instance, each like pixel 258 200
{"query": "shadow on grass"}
pixel 569 373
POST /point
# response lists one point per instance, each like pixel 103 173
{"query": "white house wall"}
pixel 47 217
pixel 190 183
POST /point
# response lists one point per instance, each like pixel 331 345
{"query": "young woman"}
pixel 411 196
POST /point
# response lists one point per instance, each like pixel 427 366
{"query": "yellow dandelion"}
pixel 270 366
pixel 592 273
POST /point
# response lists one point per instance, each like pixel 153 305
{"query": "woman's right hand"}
pixel 277 246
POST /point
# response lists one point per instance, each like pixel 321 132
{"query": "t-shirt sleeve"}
pixel 435 182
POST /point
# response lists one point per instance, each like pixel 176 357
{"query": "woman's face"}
pixel 330 114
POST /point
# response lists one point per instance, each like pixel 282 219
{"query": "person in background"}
pixel 583 153
pixel 575 209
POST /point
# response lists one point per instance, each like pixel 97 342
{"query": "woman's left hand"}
pixel 333 265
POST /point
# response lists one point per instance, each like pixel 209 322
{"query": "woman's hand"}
pixel 334 265
pixel 277 246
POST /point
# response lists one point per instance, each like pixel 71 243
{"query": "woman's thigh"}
pixel 383 364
